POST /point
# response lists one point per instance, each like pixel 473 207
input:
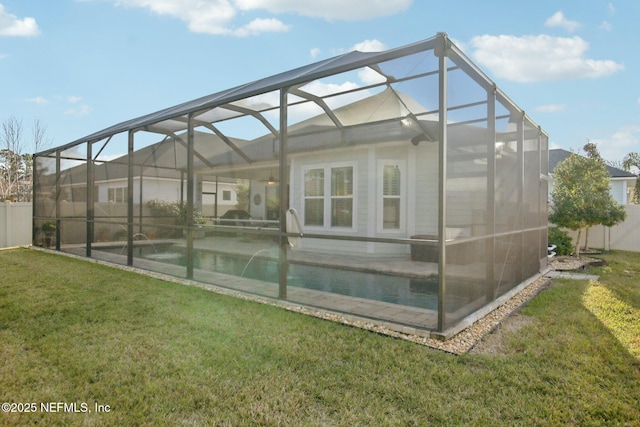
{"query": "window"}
pixel 314 197
pixel 391 195
pixel 342 197
pixel 329 202
pixel 226 195
pixel 117 195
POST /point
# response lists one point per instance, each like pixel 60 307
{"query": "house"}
pixel 622 182
pixel 419 189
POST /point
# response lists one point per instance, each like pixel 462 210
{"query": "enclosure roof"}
pixel 172 120
pixel 342 63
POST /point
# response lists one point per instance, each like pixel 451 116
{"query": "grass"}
pixel 159 353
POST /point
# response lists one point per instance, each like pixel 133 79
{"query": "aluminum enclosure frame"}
pixel 488 150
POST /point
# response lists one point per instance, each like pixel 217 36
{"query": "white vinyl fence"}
pixel 625 236
pixel 15 224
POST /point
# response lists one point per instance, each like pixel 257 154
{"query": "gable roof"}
pixel 558 154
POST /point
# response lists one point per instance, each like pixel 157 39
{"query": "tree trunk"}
pixel 586 239
pixel 577 248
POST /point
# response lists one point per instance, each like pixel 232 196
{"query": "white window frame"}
pixel 380 195
pixel 328 198
pixel 116 190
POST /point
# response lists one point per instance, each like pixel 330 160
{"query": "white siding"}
pixel 420 194
pixel 426 189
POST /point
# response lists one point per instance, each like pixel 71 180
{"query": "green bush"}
pixel 562 240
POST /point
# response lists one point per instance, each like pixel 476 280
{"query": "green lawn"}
pixel 159 353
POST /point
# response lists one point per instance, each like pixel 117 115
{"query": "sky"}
pixel 79 66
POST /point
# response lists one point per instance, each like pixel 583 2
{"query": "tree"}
pixel 591 149
pixel 632 161
pixel 580 196
pixel 16 167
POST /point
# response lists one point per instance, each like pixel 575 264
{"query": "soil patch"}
pixel 494 342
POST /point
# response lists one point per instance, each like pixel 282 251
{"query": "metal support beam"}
pixel 491 195
pixel 520 183
pixel 102 148
pixel 185 145
pixel 90 197
pixel 441 51
pixel 212 128
pixel 130 199
pixel 284 195
pixel 252 113
pixel 140 198
pixel 34 202
pixel 226 140
pixel 190 195
pixel 320 102
pixel 58 194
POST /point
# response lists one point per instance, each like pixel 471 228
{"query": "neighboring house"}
pixel 215 197
pixel 622 182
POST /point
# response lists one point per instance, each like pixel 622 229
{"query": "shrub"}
pixel 177 210
pixel 562 240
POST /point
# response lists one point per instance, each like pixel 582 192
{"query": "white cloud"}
pixel 351 10
pixel 319 88
pixel 314 52
pixel 539 58
pixel 212 16
pixel 79 111
pixel 551 108
pixel 258 26
pixel 370 46
pixel 559 20
pixel 606 26
pixel 554 146
pixel 74 99
pixel 370 77
pixel 3 56
pixel 611 9
pixel 11 25
pixel 38 100
pixel 620 143
pixel 220 16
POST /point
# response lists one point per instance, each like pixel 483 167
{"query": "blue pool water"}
pixel 381 287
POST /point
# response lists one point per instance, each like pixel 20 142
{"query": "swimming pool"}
pixel 422 293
